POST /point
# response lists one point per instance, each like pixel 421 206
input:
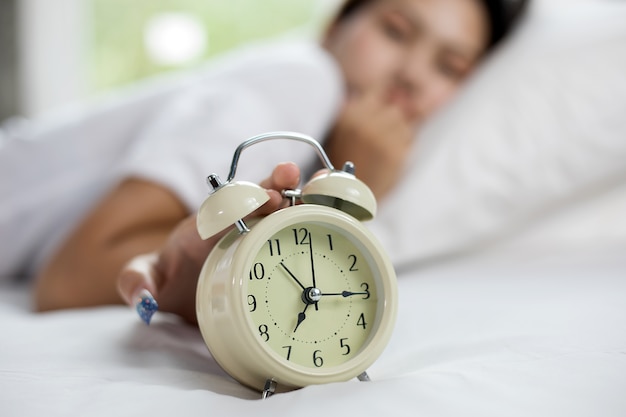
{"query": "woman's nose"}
pixel 413 70
pixel 410 82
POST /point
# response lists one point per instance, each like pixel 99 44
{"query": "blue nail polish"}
pixel 146 306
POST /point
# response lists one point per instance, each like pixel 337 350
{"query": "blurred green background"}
pixel 134 39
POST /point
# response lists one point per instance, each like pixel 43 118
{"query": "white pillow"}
pixel 542 122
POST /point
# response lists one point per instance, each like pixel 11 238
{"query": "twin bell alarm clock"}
pixel 305 295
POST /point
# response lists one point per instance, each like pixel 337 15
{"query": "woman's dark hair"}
pixel 503 15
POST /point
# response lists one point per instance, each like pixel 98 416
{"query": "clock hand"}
pixel 312 265
pixel 292 276
pixel 301 317
pixel 346 293
pixel 309 296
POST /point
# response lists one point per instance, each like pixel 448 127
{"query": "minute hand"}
pixel 312 266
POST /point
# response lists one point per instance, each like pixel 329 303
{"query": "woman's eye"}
pixel 395 30
pixel 450 70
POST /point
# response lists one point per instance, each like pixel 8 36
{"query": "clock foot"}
pixel 364 377
pixel 269 389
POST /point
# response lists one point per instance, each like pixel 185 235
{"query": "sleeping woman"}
pixel 381 69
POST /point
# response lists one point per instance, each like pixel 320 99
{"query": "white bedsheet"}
pixel 531 327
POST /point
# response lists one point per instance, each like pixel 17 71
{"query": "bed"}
pixel 517 331
pixel 512 297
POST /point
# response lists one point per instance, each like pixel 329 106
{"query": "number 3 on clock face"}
pixel 312 297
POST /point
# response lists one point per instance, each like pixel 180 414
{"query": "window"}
pixel 71 50
pixel 133 39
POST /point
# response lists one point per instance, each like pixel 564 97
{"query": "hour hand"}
pixel 301 317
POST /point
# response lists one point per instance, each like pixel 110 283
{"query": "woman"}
pixel 398 62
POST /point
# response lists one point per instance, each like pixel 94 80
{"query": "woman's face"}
pixel 411 53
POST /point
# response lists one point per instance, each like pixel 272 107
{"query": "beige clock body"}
pixel 306 296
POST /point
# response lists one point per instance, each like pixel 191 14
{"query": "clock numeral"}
pixel 318 361
pixel 288 351
pixel 302 236
pixel 366 290
pixel 330 241
pixel 274 247
pixel 344 345
pixel 361 321
pixel 257 271
pixel 252 303
pixel 353 267
pixel 263 332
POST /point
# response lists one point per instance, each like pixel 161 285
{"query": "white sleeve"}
pixel 288 89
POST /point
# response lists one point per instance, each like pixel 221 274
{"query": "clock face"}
pixel 312 295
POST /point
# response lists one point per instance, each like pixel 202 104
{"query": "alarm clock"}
pixel 305 295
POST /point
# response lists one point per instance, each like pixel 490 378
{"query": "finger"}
pixel 136 285
pixel 285 175
pixel 139 274
pixel 385 120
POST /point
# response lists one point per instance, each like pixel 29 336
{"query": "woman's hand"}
pixel 171 273
pixel 375 136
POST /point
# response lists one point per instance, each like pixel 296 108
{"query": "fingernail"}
pixel 146 305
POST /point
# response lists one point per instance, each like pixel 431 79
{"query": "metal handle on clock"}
pixel 231 200
pixel 337 188
pixel 278 135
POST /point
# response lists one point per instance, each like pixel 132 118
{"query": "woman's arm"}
pixel 139 237
pixel 136 217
